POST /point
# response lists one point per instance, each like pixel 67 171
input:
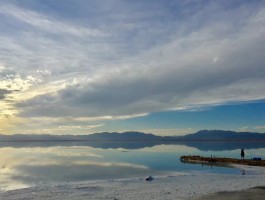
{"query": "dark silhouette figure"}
pixel 242 154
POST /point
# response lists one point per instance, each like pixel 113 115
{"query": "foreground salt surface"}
pixel 179 186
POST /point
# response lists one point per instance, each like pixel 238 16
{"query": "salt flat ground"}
pixel 175 186
pixel 257 193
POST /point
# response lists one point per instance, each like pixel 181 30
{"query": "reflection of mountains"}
pixel 202 140
pixel 201 145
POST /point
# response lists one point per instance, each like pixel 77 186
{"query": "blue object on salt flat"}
pixel 256 158
pixel 149 178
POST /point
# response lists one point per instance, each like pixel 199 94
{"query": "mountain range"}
pixel 202 140
pixel 203 135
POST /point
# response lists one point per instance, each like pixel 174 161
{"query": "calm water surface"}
pixel 29 164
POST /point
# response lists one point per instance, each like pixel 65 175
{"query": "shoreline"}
pixel 173 186
pixel 221 161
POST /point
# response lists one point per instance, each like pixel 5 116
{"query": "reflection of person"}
pixel 242 154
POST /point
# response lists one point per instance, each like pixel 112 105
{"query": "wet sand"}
pixel 256 193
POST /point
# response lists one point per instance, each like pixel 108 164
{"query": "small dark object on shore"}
pixel 149 178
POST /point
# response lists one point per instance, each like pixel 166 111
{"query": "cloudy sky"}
pixel 164 66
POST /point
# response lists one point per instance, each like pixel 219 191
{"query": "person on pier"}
pixel 242 154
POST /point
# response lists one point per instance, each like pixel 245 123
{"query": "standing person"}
pixel 242 154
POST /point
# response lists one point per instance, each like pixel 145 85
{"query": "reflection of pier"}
pixel 221 162
pixel 205 163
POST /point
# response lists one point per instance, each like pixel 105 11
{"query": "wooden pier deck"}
pixel 221 160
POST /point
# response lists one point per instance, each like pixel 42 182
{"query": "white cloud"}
pixel 260 127
pixel 74 127
pixel 245 128
pixel 123 65
pixel 185 79
pixel 1 68
pixel 63 129
pixel 45 23
pixel 169 132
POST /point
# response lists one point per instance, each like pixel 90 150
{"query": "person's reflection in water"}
pixel 243 172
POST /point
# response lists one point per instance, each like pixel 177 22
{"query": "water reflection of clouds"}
pixel 42 156
pixel 76 171
pixel 9 160
pixel 20 167
pixel 171 148
pixel 74 152
pixel 30 166
pixel 110 164
pixel 59 151
pixel 61 173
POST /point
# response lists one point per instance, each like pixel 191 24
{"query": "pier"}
pixel 222 160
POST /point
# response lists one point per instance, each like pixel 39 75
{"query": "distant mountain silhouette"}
pixel 126 136
pixel 215 140
pixel 132 135
pixel 224 135
pixel 200 135
pixel 104 136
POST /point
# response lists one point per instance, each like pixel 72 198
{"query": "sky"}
pixel 168 67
